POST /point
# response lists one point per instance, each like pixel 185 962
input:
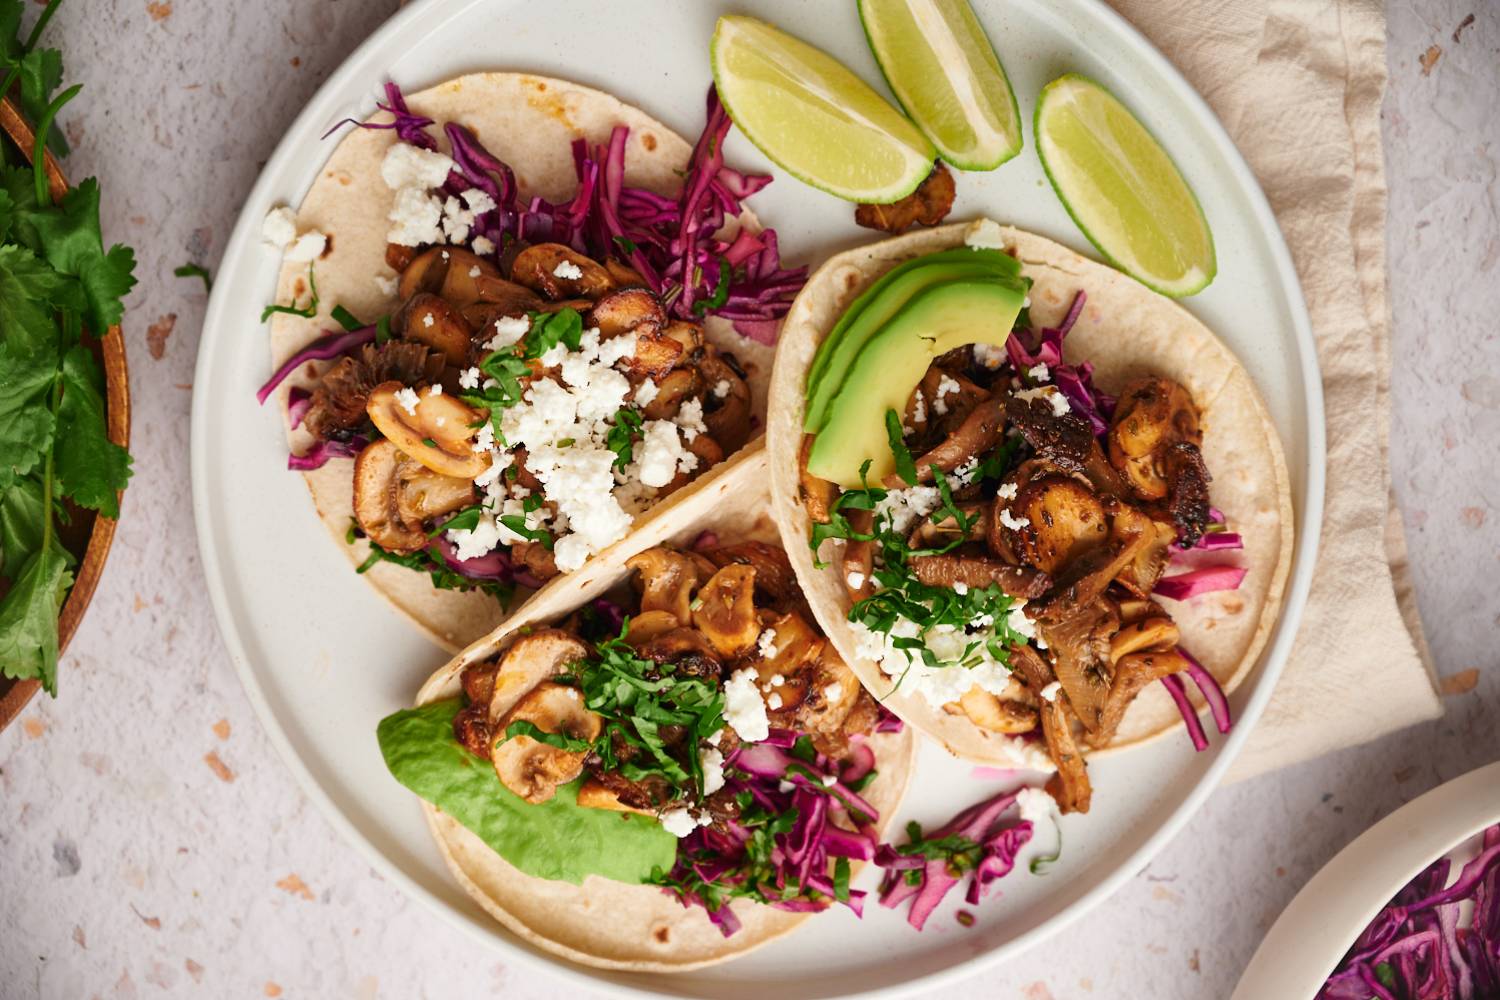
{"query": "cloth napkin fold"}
pixel 1298 85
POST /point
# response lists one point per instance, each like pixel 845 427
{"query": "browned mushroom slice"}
pixel 398 258
pixel 998 715
pixel 788 664
pixel 649 624
pixel 340 399
pixel 655 355
pixel 478 682
pixel 472 730
pixel 470 279
pixel 666 580
pixel 859 556
pixel 533 769
pixel 676 388
pixel 1140 574
pixel 536 559
pixel 627 309
pixel 1080 646
pixel 1187 491
pixel 951 568
pixel 1065 441
pixel 1064 520
pixel 979 432
pixel 531 659
pixel 1158 632
pixel 689 335
pixel 817 495
pixel 424 272
pixel 558 272
pixel 928 205
pixel 687 649
pixel 1070 786
pixel 726 611
pixel 726 407
pixel 1082 580
pixel 1152 413
pixel 951 406
pixel 594 794
pixel 775 581
pixel 375 477
pixel 436 430
pixel 428 319
pixel 507 300
pixel 623 274
pixel 1133 673
pixel 709 454
pixel 834 708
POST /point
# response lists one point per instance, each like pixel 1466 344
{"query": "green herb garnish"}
pixel 905 467
pixel 306 312
pixel 346 319
pixel 623 433
pixel 196 271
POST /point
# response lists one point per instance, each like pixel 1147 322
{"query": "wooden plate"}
pixel 89 535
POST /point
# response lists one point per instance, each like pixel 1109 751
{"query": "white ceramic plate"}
pixel 1313 933
pixel 324 658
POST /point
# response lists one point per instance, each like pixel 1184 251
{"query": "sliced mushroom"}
pixel 423 272
pixel 687 650
pixel 1065 520
pixel 859 556
pixel 536 559
pixel 437 431
pixel 508 301
pixel 1152 414
pixel 775 580
pixel 1080 646
pixel 950 568
pixel 472 730
pixel 1085 578
pixel 536 267
pixel 689 335
pixel 996 714
pixel 655 354
pixel 836 705
pixel 709 455
pixel 533 769
pixel 788 671
pixel 726 611
pixel 666 580
pixel 470 279
pixel 623 274
pixel 726 406
pixel 676 388
pixel 594 794
pixel 1133 673
pixel 394 497
pixel 428 319
pixel 530 660
pixel 627 309
pixel 1141 574
pixel 649 624
pixel 979 433
pixel 817 495
pixel 1147 634
pixel 478 682
pixel 1070 786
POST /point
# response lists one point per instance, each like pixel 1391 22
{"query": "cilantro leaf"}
pixel 550 329
pixel 191 270
pixel 623 434
pixel 72 244
pixel 28 617
pixel 22 515
pixel 905 467
pixel 27 288
pixel 91 468
pixel 306 312
pixel 562 742
pixel 27 425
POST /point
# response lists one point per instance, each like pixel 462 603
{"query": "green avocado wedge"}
pixel 889 366
pixel 556 840
pixel 873 309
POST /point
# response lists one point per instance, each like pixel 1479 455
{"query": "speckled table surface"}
pixel 151 842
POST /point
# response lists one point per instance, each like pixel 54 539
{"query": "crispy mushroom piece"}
pixel 1064 520
pixel 709 454
pixel 536 267
pixel 836 707
pixel 627 309
pixel 429 320
pixel 1139 576
pixel 1080 647
pixel 437 431
pixel 973 570
pixel 928 205
pixel 648 625
pixel 1084 579
pixel 689 335
pixel 513 301
pixel 394 497
pixel 726 408
pixel 451 272
pixel 979 432
pixel 1065 441
pixel 1158 633
pixel 1187 494
pixel 665 580
pixel 1152 414
pixel 817 495
pixel 343 393
pixel 595 794
pixel 726 611
pixel 1133 673
pixel 535 558
pixel 656 353
pixel 530 660
pixel 533 769
pixel 989 711
pixel 775 581
pixel 676 388
pixel 687 650
pixel 794 652
pixel 859 556
pixel 1070 786
pixel 623 274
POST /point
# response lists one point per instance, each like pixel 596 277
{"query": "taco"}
pixel 1026 497
pixel 660 763
pixel 555 316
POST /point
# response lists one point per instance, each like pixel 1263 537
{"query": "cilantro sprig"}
pixel 59 288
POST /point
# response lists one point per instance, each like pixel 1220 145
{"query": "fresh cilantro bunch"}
pixel 58 285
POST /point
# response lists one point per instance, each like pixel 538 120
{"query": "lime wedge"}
pixel 813 117
pixel 1122 188
pixel 945 73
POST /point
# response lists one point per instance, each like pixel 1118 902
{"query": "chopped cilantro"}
pixel 306 312
pixel 346 319
pixel 196 271
pixel 905 467
pixel 623 433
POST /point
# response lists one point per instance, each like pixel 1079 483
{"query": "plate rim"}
pixel 241 242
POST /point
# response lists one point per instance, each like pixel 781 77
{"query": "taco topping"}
pixel 1005 542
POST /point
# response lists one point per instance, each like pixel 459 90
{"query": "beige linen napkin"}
pixel 1298 85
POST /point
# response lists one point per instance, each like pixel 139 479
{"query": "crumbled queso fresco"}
pixel 743 708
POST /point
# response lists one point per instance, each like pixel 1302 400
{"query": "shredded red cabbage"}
pixel 1218 701
pixel 325 348
pixel 1204 580
pixel 318 455
pixel 672 242
pixel 926 869
pixel 1027 349
pixel 1178 691
pixel 1417 948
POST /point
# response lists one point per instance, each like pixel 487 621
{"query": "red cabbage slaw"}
pixel 1419 946
pixel 1026 349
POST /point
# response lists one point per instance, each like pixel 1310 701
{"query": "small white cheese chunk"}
pixel 1049 693
pixel 743 708
pixel 985 234
pixel 1011 521
pixel 279 227
pixel 567 270
pixel 408 399
pixel 712 760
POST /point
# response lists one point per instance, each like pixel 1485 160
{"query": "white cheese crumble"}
pixel 646 392
pixel 1049 693
pixel 1039 372
pixel 903 508
pixel 985 234
pixel 918 408
pixel 435 389
pixel 767 645
pixel 856 579
pixel 680 822
pixel 508 331
pixel 1051 394
pixel 992 356
pixel 309 246
pixel 1035 805
pixel 483 246
pixel 567 270
pixel 773 701
pixel 279 227
pixel 713 770
pixel 833 693
pixel 408 399
pixel 690 419
pixel 427 319
pixel 662 453
pixel 743 708
pixel 945 386
pixel 469 379
pixel 408 166
pixel 386 285
pixel 1007 491
pixel 721 388
pixel 938 685
pixel 1011 521
pixel 416 218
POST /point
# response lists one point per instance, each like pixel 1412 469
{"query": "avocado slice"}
pixel 882 300
pixel 887 369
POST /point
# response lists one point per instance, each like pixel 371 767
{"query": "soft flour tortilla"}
pixel 611 924
pixel 529 122
pixel 1125 330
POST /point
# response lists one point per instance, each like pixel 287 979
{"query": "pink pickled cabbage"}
pixel 1208 685
pixel 318 455
pixel 1205 580
pixel 1029 348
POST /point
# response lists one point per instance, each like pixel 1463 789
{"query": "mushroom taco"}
pixel 1025 496
pixel 556 314
pixel 665 739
